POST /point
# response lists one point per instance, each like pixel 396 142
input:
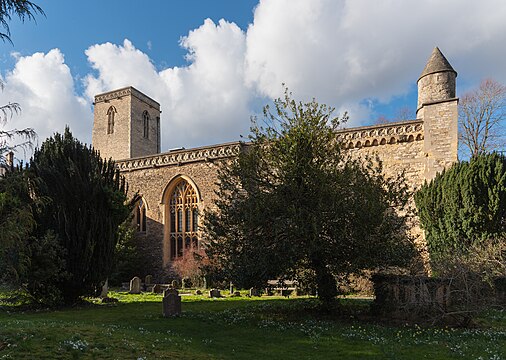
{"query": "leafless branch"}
pixel 481 114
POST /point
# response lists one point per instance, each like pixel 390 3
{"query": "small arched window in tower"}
pixel 183 219
pixel 145 124
pixel 140 215
pixel 110 119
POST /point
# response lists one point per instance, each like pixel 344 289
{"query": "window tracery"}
pixel 183 219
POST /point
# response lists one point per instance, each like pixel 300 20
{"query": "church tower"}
pixel 438 107
pixel 126 124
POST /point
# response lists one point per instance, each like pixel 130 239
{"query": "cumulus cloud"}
pixel 347 53
pixel 201 103
pixel 348 50
pixel 43 85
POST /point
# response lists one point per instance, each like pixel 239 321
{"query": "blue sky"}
pixel 155 28
pixel 212 64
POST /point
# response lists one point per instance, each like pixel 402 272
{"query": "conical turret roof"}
pixel 437 63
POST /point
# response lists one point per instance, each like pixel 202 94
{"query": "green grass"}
pixel 232 328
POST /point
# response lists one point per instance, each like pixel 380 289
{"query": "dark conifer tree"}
pixel 85 202
pixel 464 205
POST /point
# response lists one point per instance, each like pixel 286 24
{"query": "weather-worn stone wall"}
pixel 399 146
pixel 419 148
pixel 108 143
pixel 152 177
pixel 126 140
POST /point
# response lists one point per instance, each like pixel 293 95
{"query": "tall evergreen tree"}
pixel 293 201
pixel 464 205
pixel 16 224
pixel 85 205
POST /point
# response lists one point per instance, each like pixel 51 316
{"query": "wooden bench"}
pixel 283 288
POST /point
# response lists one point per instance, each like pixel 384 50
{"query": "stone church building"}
pixel 176 186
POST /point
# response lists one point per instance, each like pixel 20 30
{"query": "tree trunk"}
pixel 326 284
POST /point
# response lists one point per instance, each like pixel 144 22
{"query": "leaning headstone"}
pixel 148 280
pixel 135 285
pixel 254 292
pixel 157 289
pixel 214 293
pixel 105 289
pixel 171 303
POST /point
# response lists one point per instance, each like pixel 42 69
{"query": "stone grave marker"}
pixel 171 303
pixel 135 285
pixel 214 293
pixel 254 292
pixel 105 289
pixel 148 280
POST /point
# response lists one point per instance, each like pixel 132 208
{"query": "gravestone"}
pixel 148 280
pixel 171 303
pixel 105 289
pixel 214 293
pixel 231 288
pixel 157 289
pixel 135 285
pixel 254 292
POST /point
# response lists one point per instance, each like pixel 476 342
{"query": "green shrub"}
pixel 464 205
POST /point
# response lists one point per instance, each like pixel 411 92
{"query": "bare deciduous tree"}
pixel 23 137
pixel 24 9
pixel 481 114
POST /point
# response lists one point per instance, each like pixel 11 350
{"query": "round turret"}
pixel 437 81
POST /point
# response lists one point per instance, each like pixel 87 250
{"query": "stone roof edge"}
pixel 437 102
pixel 128 90
pixel 183 156
pixel 379 126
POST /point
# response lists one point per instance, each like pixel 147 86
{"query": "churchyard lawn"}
pixel 232 328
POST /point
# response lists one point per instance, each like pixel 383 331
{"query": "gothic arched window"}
pixel 140 215
pixel 145 124
pixel 110 119
pixel 183 219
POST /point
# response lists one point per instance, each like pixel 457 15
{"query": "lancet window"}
pixel 140 215
pixel 145 124
pixel 183 220
pixel 110 119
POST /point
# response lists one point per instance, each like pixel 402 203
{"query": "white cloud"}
pixel 341 52
pixel 345 51
pixel 42 84
pixel 201 103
